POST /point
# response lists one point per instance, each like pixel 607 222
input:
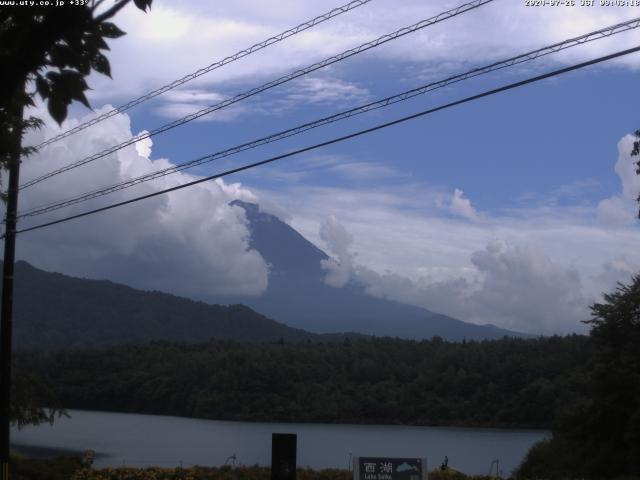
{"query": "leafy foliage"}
pixel 29 393
pixel 599 436
pixel 507 383
pixel 636 152
pixel 49 51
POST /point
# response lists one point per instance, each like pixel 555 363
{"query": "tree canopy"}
pixel 599 437
pixel 498 383
pixel 48 51
pixel 635 152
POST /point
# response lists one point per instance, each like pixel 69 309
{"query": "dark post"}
pixel 283 456
pixel 6 310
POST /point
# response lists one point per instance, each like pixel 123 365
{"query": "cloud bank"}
pixel 621 209
pixel 188 242
pixel 196 33
pixel 533 268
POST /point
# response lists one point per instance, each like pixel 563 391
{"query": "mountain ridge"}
pixel 53 310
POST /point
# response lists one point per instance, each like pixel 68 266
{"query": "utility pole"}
pixel 6 309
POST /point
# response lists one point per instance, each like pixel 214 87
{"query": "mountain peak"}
pixel 298 295
pixel 250 208
pixel 283 248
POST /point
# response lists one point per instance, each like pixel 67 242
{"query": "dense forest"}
pixel 499 383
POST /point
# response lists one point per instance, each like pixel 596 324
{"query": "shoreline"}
pixel 515 428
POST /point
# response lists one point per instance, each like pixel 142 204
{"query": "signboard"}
pixel 385 468
pixel 283 456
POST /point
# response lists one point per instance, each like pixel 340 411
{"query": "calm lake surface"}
pixel 145 440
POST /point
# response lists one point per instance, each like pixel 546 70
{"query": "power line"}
pixel 341 139
pixel 254 91
pixel 529 56
pixel 231 58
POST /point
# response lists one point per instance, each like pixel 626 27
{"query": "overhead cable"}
pixel 525 57
pixel 338 139
pixel 279 81
pixel 220 63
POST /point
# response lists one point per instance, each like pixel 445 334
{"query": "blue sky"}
pixel 517 209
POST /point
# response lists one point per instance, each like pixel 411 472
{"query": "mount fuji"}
pixel 298 296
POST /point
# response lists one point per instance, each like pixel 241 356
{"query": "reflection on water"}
pixel 144 440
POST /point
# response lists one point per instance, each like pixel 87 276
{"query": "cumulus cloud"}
pixel 617 270
pixel 522 287
pixel 517 287
pixel 462 206
pixel 552 261
pixel 514 286
pixel 338 241
pixel 621 209
pixel 189 242
pixel 616 211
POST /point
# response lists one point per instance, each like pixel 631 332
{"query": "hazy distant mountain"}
pixel 298 296
pixel 54 311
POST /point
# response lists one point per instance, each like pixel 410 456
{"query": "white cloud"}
pixel 554 260
pixel 196 33
pixel 298 94
pixel 516 287
pixel 462 206
pixel 621 209
pixel 189 242
pixel 626 169
pixel 523 288
pixel 616 211
pixel 338 241
pixel 143 147
pixel 179 110
pixel 619 269
pixel 322 90
pixel 194 95
pixel 336 166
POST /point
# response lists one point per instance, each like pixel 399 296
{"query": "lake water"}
pixel 145 440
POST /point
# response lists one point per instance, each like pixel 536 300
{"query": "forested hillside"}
pixel 57 311
pixel 502 383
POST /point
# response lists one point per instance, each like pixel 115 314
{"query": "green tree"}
pixel 615 413
pixel 49 50
pixel 46 51
pixel 599 437
pixel 635 152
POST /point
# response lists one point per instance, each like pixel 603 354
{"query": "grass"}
pixel 75 468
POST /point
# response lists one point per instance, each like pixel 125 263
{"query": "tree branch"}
pixel 96 4
pixel 111 12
